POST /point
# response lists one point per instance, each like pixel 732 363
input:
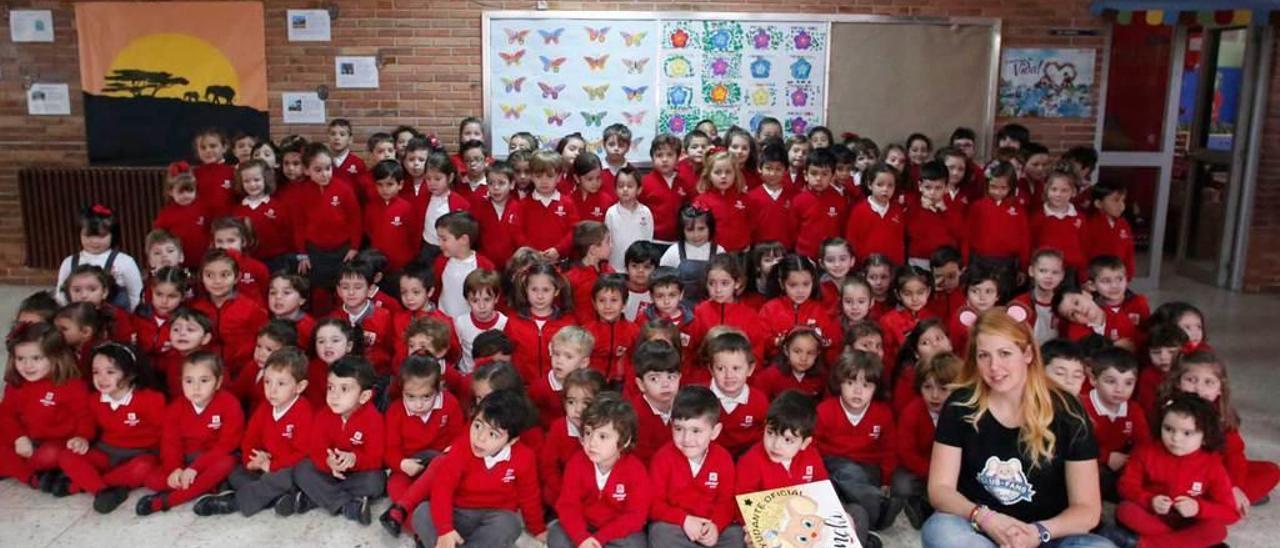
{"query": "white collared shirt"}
pixel 546 200
pixel 254 204
pixel 503 455
pixel 696 466
pixel 339 160
pixel 666 417
pixel 854 419
pixel 574 431
pixel 353 319
pixel 475 185
pixel 934 416
pixel 729 403
pixel 880 210
pixel 276 413
pixel 116 404
pixel 601 477
pixel 773 194
pixel 1070 211
pixel 436 403
pixel 199 408
pixel 555 384
pixel 1120 412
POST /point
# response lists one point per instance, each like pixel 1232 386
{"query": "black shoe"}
pixel 1262 501
pixel 287 504
pixel 357 509
pixel 44 481
pixel 216 505
pixel 914 509
pixel 61 486
pixel 392 519
pixel 873 541
pixel 107 500
pixel 890 507
pixel 303 504
pixel 150 504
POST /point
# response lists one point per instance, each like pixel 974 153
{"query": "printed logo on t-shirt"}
pixel 357 438
pixel 713 480
pixel 1196 490
pixel 1006 481
pixel 131 419
pixel 47 400
pixel 619 492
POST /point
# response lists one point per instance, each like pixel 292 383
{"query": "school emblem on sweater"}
pixel 215 422
pixel 1196 490
pixel 560 211
pixel 226 183
pixel 131 419
pixel 807 476
pixel 1006 481
pixel 395 221
pixel 351 169
pixel 200 220
pixel 288 432
pixel 270 214
pixel 335 202
pixel 47 400
pixel 619 492
pixel 357 438
pixel 875 432
pixel 713 480
pixel 747 421
pixel 1013 211
pixel 737 204
pixel 509 476
pixel 831 212
pixel 1128 428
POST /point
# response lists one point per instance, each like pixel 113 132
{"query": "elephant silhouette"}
pixel 219 94
pixel 191 96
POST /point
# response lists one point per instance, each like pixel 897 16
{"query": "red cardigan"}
pixel 733 225
pixel 136 425
pixel 870 233
pixel 618 510
pixel 463 481
pixel 44 411
pixel 679 493
pixel 869 442
pixel 285 439
pixel 213 433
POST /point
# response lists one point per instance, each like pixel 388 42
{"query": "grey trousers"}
pixel 557 538
pixel 856 483
pixel 332 493
pixel 476 526
pixel 664 535
pixel 255 490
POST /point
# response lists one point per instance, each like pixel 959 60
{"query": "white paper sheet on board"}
pixel 308 25
pixel 356 72
pixel 31 25
pixel 48 100
pixel 303 108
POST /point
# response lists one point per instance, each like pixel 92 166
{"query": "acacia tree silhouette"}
pixel 137 82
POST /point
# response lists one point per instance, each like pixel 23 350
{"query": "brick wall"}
pixel 433 77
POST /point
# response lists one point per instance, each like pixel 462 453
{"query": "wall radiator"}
pixel 52 199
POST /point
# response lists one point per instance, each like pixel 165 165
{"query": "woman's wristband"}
pixel 977 516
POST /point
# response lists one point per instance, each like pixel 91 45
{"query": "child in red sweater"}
pixel 1177 492
pixel 498 214
pixel 570 351
pixel 876 224
pixel 345 465
pixel 382 148
pixel 928 339
pixel 564 436
pixel 185 217
pixel 689 168
pixel 247 384
pixel 542 296
pixel 1107 232
pixel 798 303
pixel 390 221
pixel 855 436
pixel 82 328
pixel 742 407
pixel 1164 346
pixel 785 455
pixel 213 175
pixel 657 365
pixel 270 218
pixel 236 318
pixel 1046 273
pixel 615 337
pixel 420 425
pixel 202 428
pixel 128 416
pixel 190 331
pixel 821 212
pixel 372 323
pixel 547 216
pixel 1058 225
pixel 722 191
pixel 932 223
pixel 286 295
pixel 982 291
pixel 1118 426
pixel 606 494
pixel 274 443
pixel 771 204
pixel 912 287
pixel 934 377
pixel 483 480
pixel 45 404
pixel 234 236
pixel 947 295
pixel 592 245
pixel 483 290
pixel 471 183
pixel 329 234
pixel 799 366
pixel 616 139
pixel 1125 310
pixel 693 479
pixel 670 185
pixel 997 228
pixel 348 168
pixel 590 193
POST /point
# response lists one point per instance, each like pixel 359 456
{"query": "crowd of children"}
pixel 567 346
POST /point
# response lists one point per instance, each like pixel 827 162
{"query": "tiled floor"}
pixel 1239 328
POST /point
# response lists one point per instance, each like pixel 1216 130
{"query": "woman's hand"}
pixel 1004 530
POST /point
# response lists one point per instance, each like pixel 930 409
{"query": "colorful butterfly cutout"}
pixel 516 36
pixel 634 39
pixel 512 58
pixel 596 146
pixel 551 36
pixel 596 92
pixel 635 94
pixel 551 65
pixel 513 84
pixel 593 119
pixel 636 142
pixel 635 66
pixel 512 111
pixel 556 117
pixel 596 63
pixel 634 118
pixel 597 35
pixel 550 91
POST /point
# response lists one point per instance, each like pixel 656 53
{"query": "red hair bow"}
pixel 101 210
pixel 716 150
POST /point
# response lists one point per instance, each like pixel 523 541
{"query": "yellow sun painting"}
pixel 194 65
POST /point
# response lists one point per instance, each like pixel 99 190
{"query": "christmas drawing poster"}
pixel 800 516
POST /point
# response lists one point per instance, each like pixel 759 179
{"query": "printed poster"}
pixel 48 100
pixel 356 72
pixel 801 516
pixel 308 25
pixel 31 25
pixel 303 107
pixel 554 77
pixel 156 73
pixel 1047 83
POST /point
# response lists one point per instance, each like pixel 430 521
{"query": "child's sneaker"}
pixel 287 504
pixel 357 509
pixel 393 519
pixel 303 504
pixel 216 505
pixel 107 500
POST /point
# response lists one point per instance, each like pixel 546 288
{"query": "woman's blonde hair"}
pixel 1039 395
pixel 709 163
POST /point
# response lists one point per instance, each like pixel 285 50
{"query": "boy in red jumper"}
pixel 202 428
pixel 381 147
pixel 565 433
pixel 617 143
pixel 657 367
pixel 772 203
pixel 670 185
pixel 997 233
pixel 1118 424
pixel 606 495
pixel 273 444
pixel 247 383
pixel 420 425
pixel 915 435
pixel 347 166
pixel 415 189
pixel 593 244
pixel 947 295
pixel 497 214
pixel 570 351
pixel 875 224
pixel 372 322
pixel 821 212
pixel 742 407
pixel 785 455
pixel 389 219
pixel 693 478
pixel 483 479
pixel 855 436
pixel 1107 232
pixel 330 232
pixel 344 470
pixel 689 168
pixel 614 335
pixel 1164 345
pixel 185 217
pixel 1125 310
pixel 931 224
pixel 547 218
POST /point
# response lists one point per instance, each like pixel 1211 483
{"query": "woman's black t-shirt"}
pixel 995 471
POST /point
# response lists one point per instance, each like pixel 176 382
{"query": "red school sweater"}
pixel 190 224
pixel 593 205
pixel 254 277
pixel 390 227
pixel 614 341
pixel 652 431
pixel 818 216
pixel 688 171
pixel 781 314
pixel 532 338
pixel 619 509
pixel 350 170
pixel 773 381
pixel 152 333
pixel 664 200
pixel 709 314
pixel 332 217
pixel 235 326
pixel 375 325
pixel 415 192
pixel 915 438
pixel 1152 470
pixel 561 444
pixel 743 426
pixel 408 435
pixel 929 230
pixel 212 432
pixel 773 219
pixel 1120 434
pixel 272 223
pixel 997 229
pixel 400 323
pixel 44 411
pixel 362 433
pixel 870 233
pixel 543 226
pixel 896 324
pixel 581 279
pixel 679 493
pixel 214 187
pixel 868 442
pixel 1106 236
pixel 135 425
pixel 757 472
pixel 497 232
pixel 1149 380
pixel 285 438
pixel 246 385
pixel 1064 233
pixel 463 481
pixel 548 400
pixel 733 225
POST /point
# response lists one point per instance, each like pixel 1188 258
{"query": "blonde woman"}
pixel 1014 459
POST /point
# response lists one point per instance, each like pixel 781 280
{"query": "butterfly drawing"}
pixel 551 36
pixel 516 36
pixel 635 66
pixel 512 58
pixel 636 142
pixel 593 119
pixel 597 35
pixel 550 91
pixel 635 94
pixel 513 84
pixel 556 117
pixel 596 146
pixel 633 39
pixel 596 92
pixel 634 118
pixel 551 65
pixel 512 111
pixel 596 63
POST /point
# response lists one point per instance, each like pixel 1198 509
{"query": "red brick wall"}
pixel 433 77
pixel 1262 261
